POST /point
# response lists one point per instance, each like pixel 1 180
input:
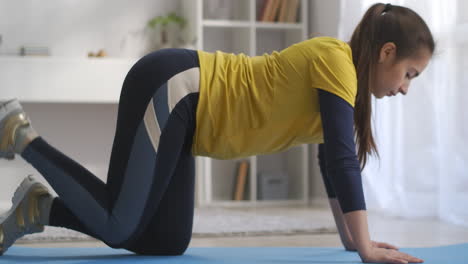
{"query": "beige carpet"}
pixel 212 222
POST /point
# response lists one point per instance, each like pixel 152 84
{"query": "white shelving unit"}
pixel 241 32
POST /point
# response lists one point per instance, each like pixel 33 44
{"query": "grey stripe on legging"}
pixel 137 184
pixel 166 98
pixel 156 115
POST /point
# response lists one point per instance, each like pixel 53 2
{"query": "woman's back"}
pixel 267 103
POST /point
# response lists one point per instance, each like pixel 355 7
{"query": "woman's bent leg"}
pixel 170 229
pixel 116 212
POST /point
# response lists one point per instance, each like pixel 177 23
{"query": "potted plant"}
pixel 164 23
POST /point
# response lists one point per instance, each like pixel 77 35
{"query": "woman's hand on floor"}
pixel 376 244
pixel 383 255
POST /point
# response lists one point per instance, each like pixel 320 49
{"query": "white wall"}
pixel 84 132
pixel 72 28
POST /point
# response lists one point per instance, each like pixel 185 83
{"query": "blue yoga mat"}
pixel 454 254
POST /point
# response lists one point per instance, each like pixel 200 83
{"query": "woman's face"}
pixel 392 76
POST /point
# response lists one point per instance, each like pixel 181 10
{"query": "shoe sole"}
pixel 18 221
pixel 10 109
pixel 8 106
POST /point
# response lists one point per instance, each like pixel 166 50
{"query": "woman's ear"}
pixel 387 52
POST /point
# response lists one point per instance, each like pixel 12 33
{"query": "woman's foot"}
pixel 16 131
pixel 25 215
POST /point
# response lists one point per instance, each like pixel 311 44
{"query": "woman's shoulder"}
pixel 328 44
pixel 328 50
pixel 332 69
pixel 327 40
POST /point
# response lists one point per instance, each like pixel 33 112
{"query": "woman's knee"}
pixel 161 246
pixel 172 246
pixel 176 250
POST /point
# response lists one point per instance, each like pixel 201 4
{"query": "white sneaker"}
pixel 12 117
pixel 23 217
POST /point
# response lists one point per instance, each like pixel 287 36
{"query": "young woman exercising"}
pixel 178 103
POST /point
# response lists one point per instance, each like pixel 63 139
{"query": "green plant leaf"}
pixel 166 20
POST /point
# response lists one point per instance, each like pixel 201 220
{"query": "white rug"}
pixel 212 222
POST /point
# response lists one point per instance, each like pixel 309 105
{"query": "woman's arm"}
pixel 345 236
pixel 359 229
pixel 344 172
pixel 342 227
pixel 343 167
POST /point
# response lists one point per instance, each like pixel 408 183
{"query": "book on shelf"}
pixel 275 9
pixel 283 11
pixel 241 180
pixel 261 14
pixel 266 7
pixel 269 10
pixel 279 11
pixel 292 11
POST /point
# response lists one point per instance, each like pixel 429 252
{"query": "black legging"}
pixel 147 204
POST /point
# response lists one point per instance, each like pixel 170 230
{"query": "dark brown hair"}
pixel 381 24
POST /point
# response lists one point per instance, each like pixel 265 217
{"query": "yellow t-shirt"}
pixel 266 104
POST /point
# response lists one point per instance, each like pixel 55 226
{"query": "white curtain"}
pixel 422 137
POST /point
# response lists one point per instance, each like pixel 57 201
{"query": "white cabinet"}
pixel 234 26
